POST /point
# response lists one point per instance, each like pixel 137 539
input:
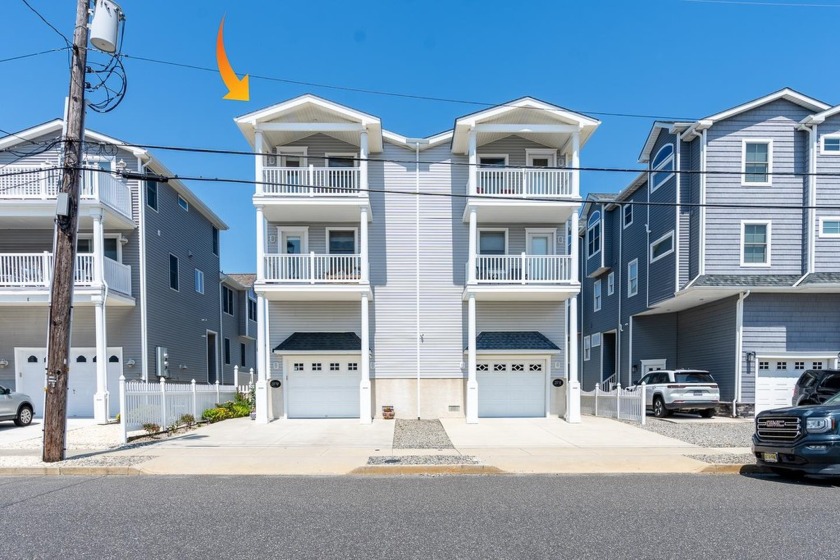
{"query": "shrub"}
pixel 151 428
pixel 239 407
pixel 186 420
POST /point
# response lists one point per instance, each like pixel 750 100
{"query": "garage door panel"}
pixel 324 394
pixel 511 388
pixel 776 379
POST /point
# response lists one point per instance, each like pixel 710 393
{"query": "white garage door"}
pixel 323 387
pixel 776 379
pixel 81 385
pixel 511 388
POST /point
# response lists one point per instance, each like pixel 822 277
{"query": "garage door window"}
pixel 353 366
pixel 316 367
pixel 517 367
pixel 764 365
pixel 499 367
pixel 817 365
pixel 298 367
pixel 798 365
pixel 482 367
pixel 535 367
pixel 781 365
pixel 334 366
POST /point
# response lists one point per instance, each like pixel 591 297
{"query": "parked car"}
pixel 799 440
pixel 686 390
pixel 15 406
pixel 816 386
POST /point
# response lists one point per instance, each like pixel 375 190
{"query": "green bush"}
pixel 151 428
pixel 239 407
pixel 186 420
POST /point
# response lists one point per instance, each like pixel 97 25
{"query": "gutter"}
pixel 739 350
pixel 141 234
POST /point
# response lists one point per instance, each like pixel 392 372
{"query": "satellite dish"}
pixel 105 25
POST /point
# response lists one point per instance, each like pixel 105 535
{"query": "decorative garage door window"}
pixel 517 367
pixel 298 367
pixel 334 366
pixel 535 367
pixel 482 367
pixel 352 366
pixel 316 367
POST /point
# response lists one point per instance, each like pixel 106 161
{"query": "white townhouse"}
pixel 434 275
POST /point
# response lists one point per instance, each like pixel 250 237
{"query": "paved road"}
pixel 580 517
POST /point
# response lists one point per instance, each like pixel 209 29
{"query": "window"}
pixel 199 281
pixel 593 234
pixel 334 366
pixel 817 365
pixel 596 295
pixel 662 247
pixel 830 227
pixel 152 194
pixel 499 367
pixel 252 309
pixel 757 160
pixel 298 367
pixel 535 367
pixel 227 300
pixel 215 241
pixel 173 272
pixel 587 350
pixel 633 278
pixel 492 161
pixel 242 354
pixel 517 367
pixel 596 339
pixel 182 202
pixel 227 351
pixel 628 214
pixel 610 283
pixel 292 156
pixel 781 365
pixel 755 243
pixel 341 241
pixel 341 160
pixel 798 365
pixel 316 367
pixel 482 367
pixel 352 366
pixel 763 365
pixel 492 242
pixel 831 145
pixel 662 166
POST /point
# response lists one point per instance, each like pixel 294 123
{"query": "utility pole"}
pixel 67 216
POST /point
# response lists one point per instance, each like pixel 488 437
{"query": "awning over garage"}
pixel 514 340
pixel 321 342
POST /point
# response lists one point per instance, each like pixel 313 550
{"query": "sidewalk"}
pixel 341 447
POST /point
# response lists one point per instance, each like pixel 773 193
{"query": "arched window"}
pixel 81 359
pixel 32 360
pixel 593 234
pixel 114 360
pixel 662 167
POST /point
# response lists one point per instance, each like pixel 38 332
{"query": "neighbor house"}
pixel 146 298
pixel 238 326
pixel 434 275
pixel 723 255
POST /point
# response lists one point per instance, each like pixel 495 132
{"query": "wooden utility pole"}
pixel 61 297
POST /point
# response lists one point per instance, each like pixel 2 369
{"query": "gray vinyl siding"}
pixel 775 323
pixel 776 121
pixel 231 331
pixel 707 340
pixel 516 147
pixel 318 145
pixel 50 156
pixel 316 234
pixel 654 338
pixel 634 246
pixel 661 220
pixel 178 320
pixel 26 241
pixel 827 249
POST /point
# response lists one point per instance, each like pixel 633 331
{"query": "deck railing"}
pixel 313 268
pixel 525 183
pixel 523 269
pixel 34 270
pixel 311 181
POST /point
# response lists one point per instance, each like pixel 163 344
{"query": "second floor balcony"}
pixel 313 276
pixel 33 271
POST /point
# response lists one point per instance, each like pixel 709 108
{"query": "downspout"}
pixel 739 350
pixel 620 280
pixel 810 126
pixel 702 263
pixel 221 366
pixel 677 223
pixel 141 233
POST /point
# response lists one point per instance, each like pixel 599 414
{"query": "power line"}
pixel 397 94
pixel 764 4
pixel 51 26
pixel 30 55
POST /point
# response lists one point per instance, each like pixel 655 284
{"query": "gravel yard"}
pixel 424 460
pixel 704 433
pixel 726 459
pixel 420 434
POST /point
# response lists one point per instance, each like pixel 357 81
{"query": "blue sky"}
pixel 668 58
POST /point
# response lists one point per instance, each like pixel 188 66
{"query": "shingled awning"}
pixel 321 342
pixel 514 340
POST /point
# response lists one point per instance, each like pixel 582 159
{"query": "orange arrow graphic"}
pixel 237 89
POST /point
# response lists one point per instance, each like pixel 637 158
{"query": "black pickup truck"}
pixel 799 440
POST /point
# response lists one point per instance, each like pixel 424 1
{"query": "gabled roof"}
pixel 653 136
pixel 818 118
pixel 786 93
pixel 321 342
pixel 56 125
pixel 513 340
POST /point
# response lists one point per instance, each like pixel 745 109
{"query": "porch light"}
pixel 130 362
pixel 750 357
pixel 3 363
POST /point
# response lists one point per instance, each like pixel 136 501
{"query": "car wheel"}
pixel 24 416
pixel 708 413
pixel 788 474
pixel 659 409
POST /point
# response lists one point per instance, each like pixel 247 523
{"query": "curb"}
pixel 398 470
pixel 68 471
pixel 747 468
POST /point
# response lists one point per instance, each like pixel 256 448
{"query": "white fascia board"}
pixel 30 133
pixel 317 352
pixel 402 141
pixel 786 93
pixel 310 127
pixel 285 106
pixel 513 353
pixel 140 152
pixel 819 118
pixel 526 128
pixel 527 102
pixel 653 135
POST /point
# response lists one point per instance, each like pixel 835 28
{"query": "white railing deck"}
pixel 523 269
pixel 34 270
pixel 43 183
pixel 524 182
pixel 313 268
pixel 311 181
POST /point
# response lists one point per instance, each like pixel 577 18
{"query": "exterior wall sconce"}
pixel 182 366
pixel 634 369
pixel 3 363
pixel 750 357
pixel 130 362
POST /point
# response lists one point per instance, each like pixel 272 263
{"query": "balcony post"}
pixel 46 268
pixel 574 273
pixel 473 241
pixel 363 245
pixel 473 155
pixel 98 250
pixel 364 387
pixel 261 391
pixel 522 271
pixel 363 163
pixel 472 383
pixel 258 167
pixel 576 163
pixel 260 245
pixel 100 399
pixel 311 179
pixel 312 267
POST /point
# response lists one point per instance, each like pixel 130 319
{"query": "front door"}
pixel 211 357
pixel 540 180
pixel 539 245
pixel 292 242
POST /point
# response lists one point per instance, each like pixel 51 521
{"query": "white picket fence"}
pixel 615 402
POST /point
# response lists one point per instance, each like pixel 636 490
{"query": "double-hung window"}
pixel 597 295
pixel 757 162
pixel 587 349
pixel 610 283
pixel 830 226
pixel 633 278
pixel 755 243
pixel 227 300
pixel 199 281
pixel 152 194
pixel 628 215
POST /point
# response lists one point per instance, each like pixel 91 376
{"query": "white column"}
pixel 574 261
pixel 363 163
pixel 472 383
pixel 100 398
pixel 364 387
pixel 473 240
pixel 473 155
pixel 258 163
pixel 98 249
pixel 260 245
pixel 262 373
pixel 573 385
pixel 363 244
pixel 576 164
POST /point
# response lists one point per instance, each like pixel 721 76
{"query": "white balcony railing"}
pixel 314 269
pixel 43 183
pixel 312 181
pixel 522 269
pixel 537 183
pixel 34 270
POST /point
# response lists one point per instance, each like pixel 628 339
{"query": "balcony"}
pixel 312 193
pixel 313 276
pixel 35 185
pixel 525 195
pixel 531 183
pixel 33 271
pixel 523 278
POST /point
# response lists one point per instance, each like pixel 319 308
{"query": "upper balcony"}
pixel 522 277
pixel 28 197
pixel 313 193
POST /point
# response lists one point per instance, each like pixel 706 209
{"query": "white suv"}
pixel 689 390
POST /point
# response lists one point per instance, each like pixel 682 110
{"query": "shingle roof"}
pixel 321 341
pixel 822 278
pixel 513 340
pixel 246 280
pixel 747 280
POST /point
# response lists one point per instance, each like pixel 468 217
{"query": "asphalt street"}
pixel 580 517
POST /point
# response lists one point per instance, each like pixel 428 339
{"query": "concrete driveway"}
pixel 12 436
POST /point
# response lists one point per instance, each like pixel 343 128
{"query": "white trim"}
pixel 596 339
pixel 478 240
pixel 342 155
pixel 530 153
pixel 611 283
pixel 828 219
pixel 823 151
pixel 89 236
pixel 786 93
pixel 600 234
pixel 769 228
pixel 661 168
pixel 310 127
pixel 769 142
pixel 141 233
pixel 284 230
pixel 587 348
pixel 196 275
pixel 178 272
pixel 506 157
pixel 629 264
pixel 597 295
pixel 550 232
pixel 657 242
pixel 624 223
pixel 355 231
pixel 185 202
